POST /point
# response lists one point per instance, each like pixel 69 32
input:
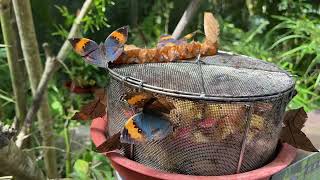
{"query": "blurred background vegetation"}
pixel 285 32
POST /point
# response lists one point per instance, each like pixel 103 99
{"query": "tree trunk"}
pixel 31 55
pixel 17 70
pixel 51 66
pixel 16 163
pixel 186 17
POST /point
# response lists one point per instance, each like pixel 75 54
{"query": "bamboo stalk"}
pixel 31 55
pixel 16 68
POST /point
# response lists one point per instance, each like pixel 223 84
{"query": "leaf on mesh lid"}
pixel 294 121
pixel 167 53
pixel 130 47
pixel 95 108
pixel 211 27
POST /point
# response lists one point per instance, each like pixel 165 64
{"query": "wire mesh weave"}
pixel 227 117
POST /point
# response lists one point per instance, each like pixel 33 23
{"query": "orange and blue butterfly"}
pixel 169 40
pixel 144 127
pixel 148 101
pixel 102 54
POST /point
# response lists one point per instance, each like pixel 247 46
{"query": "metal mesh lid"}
pixel 224 77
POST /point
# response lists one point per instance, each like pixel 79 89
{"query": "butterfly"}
pixel 169 40
pixel 140 128
pixel 137 99
pixel 110 144
pixel 102 54
pixel 144 127
pixel 148 101
pixel 95 108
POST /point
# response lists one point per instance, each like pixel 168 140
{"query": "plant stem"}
pixel 31 56
pixel 68 148
pixel 16 68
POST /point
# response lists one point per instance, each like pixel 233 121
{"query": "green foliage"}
pixel 285 32
pixel 299 52
pixel 96 16
pixel 93 21
pixel 6 95
pixel 293 43
pixel 153 25
pixel 92 165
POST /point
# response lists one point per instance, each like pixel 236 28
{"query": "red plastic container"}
pixel 131 170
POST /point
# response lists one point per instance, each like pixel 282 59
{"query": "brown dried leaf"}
pixel 297 139
pixel 128 47
pixel 294 121
pixel 167 53
pixel 95 108
pixel 211 27
pixel 110 144
pixel 296 117
pixel 101 95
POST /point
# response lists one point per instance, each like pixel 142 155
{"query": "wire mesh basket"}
pixel 227 117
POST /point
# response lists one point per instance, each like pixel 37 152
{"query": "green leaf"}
pixel 292 51
pixel 98 174
pixel 57 106
pixel 316 84
pixel 293 36
pixel 6 98
pixel 81 167
pixel 256 31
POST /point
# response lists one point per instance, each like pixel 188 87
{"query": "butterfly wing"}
pixel 131 133
pixel 91 110
pixel 115 42
pixel 144 127
pixel 166 40
pixel 138 99
pixel 95 108
pixel 156 126
pixel 148 102
pixel 89 50
pixel 190 35
pixel 110 144
pixel 160 104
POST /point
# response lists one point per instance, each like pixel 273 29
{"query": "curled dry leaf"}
pixel 95 108
pixel 175 51
pixel 133 55
pixel 294 121
pixel 211 27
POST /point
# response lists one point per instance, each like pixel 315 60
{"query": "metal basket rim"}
pixel 133 82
